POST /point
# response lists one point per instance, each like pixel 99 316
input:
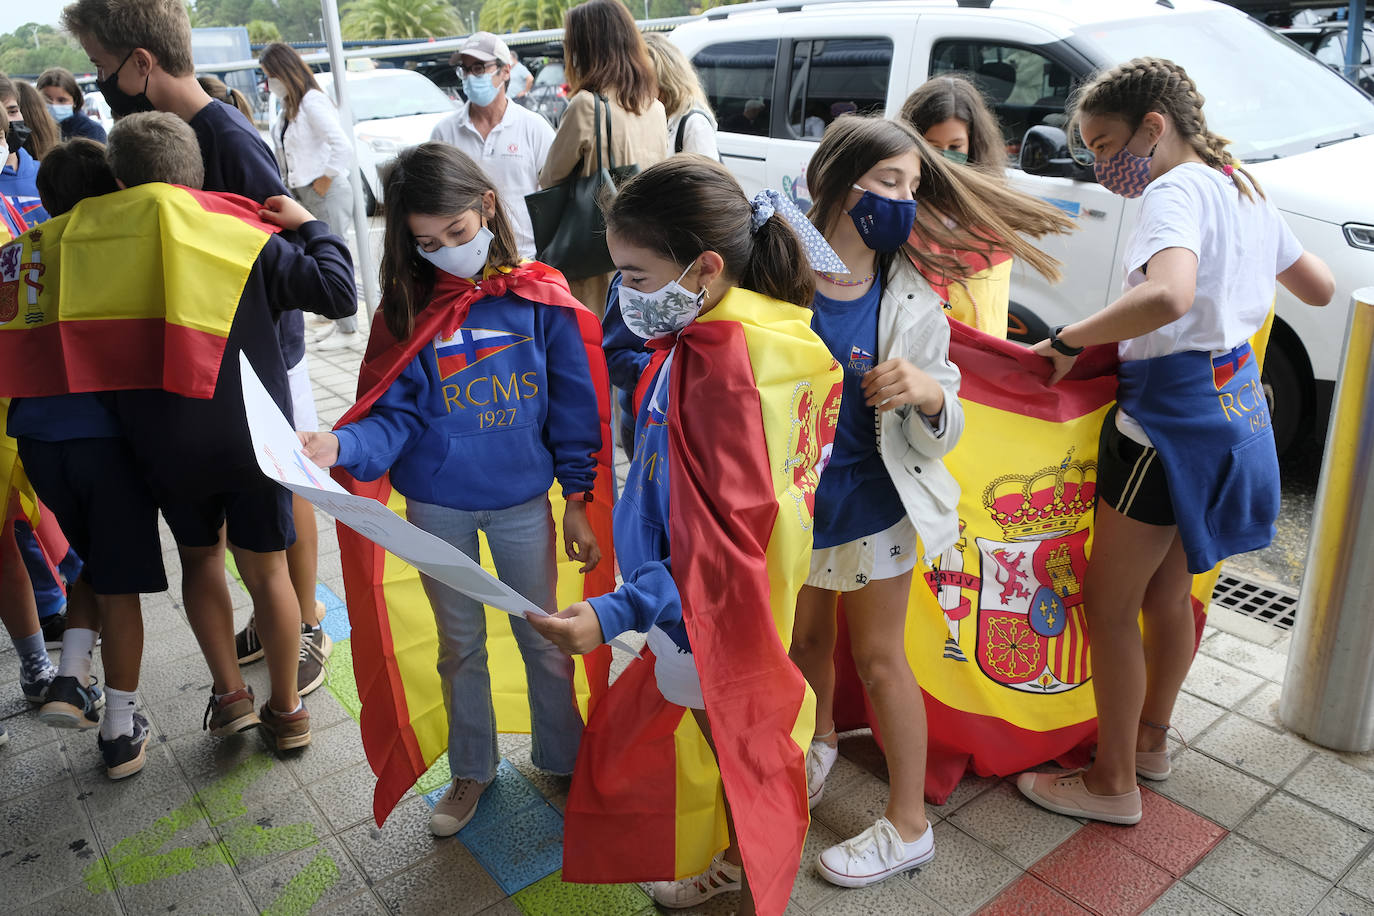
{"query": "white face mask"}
pixel 465 260
pixel 276 87
pixel 661 313
pixel 4 149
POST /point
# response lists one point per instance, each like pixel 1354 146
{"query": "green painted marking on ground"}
pixel 233 568
pixel 305 889
pixel 340 680
pixel 549 896
pixel 256 841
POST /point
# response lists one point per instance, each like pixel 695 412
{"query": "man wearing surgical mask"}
pixel 17 176
pixel 508 141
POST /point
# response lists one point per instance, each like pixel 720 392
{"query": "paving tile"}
pixel 186 678
pixel 317 876
pixel 1342 903
pixel 1255 881
pixel 31 817
pixel 1214 790
pixel 1263 706
pixel 1253 748
pixel 1003 820
pixel 207 762
pixel 1029 896
pixel 155 823
pixel 520 848
pixel 346 797
pixel 403 841
pixel 964 873
pixel 190 864
pixel 810 890
pixel 1360 880
pixel 331 749
pixel 1226 620
pixel 1184 900
pixel 338 700
pixel 105 797
pixel 1305 835
pixel 1358 761
pixel 1336 786
pixel 854 810
pixel 226 900
pixel 451 875
pixel 31 770
pixel 271 827
pixel 551 897
pixel 862 749
pixel 360 904
pixel 1247 656
pixel 1194 715
pixel 898 894
pixel 78 899
pixel 969 788
pixel 27 731
pixel 178 716
pixel 1168 835
pixel 553 787
pixel 57 860
pixel 1105 877
pixel 1218 682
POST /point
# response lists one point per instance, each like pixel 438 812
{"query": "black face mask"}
pixel 120 102
pixel 16 135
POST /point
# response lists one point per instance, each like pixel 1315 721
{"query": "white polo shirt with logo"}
pixel 511 155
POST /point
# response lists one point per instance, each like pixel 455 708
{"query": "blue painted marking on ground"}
pixel 336 614
pixel 1070 207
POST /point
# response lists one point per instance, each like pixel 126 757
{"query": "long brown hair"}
pixel 688 204
pixel 219 89
pixel 1134 89
pixel 46 133
pixel 61 78
pixel 941 98
pixel 434 179
pixel 987 216
pixel 604 53
pixel 281 60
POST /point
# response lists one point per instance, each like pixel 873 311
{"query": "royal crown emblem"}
pixel 1045 503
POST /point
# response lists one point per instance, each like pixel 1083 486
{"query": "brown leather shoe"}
pixel 231 713
pixel 286 730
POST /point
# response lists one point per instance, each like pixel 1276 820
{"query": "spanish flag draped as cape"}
pixel 753 401
pixel 996 632
pixel 981 299
pixel 135 289
pixel 395 643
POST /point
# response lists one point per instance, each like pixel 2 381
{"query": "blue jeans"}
pixel 522 547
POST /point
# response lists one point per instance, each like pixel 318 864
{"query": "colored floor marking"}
pixel 549 896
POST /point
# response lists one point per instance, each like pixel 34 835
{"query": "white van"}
pixel 1303 131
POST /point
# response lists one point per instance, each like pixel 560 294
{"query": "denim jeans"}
pixel 521 539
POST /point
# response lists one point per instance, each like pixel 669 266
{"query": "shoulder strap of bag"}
pixel 682 128
pixel 610 146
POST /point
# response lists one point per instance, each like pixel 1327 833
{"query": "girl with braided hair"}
pixel 1187 473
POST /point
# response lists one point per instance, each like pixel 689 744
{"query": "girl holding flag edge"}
pixel 1187 473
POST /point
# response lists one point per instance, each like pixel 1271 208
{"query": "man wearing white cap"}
pixel 509 142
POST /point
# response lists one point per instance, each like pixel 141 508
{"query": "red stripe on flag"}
pixel 1017 385
pixel 235 205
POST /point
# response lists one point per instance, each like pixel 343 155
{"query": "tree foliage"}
pixel 502 16
pixel 296 20
pixel 372 19
pixel 261 31
pixel 33 48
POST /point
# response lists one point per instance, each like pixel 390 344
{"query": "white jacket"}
pixel 314 144
pixel 912 325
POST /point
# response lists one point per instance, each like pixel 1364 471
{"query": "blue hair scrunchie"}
pixel 821 256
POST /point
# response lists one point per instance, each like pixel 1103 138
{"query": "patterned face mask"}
pixel 663 312
pixel 1125 173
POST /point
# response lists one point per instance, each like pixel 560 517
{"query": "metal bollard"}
pixel 1328 691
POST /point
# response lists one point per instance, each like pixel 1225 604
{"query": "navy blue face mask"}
pixel 884 223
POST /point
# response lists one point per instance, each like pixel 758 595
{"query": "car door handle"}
pixel 1095 214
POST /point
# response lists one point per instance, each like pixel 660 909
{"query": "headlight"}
pixel 1359 235
pixel 384 146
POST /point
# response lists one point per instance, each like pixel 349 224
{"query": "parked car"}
pixel 94 106
pixel 1328 41
pixel 549 95
pixel 1304 132
pixel 392 110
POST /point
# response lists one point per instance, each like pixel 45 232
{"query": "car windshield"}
pixel 1281 102
pixel 551 75
pixel 395 95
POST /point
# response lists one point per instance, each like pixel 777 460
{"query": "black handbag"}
pixel 569 227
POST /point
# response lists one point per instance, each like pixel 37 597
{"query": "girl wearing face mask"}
pixel 64 100
pixel 874 183
pixel 1187 473
pixel 314 150
pixel 486 391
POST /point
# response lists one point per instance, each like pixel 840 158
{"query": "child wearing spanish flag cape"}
pixel 735 415
pixel 483 383
pixel 1187 473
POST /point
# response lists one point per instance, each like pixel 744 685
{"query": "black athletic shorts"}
pixel 257 511
pixel 1130 477
pixel 95 491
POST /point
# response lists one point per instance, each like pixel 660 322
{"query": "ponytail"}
pixel 777 265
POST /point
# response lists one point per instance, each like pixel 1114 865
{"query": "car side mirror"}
pixel 1045 152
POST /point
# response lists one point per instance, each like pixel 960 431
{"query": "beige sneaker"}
pixel 1066 793
pixel 456 808
pixel 285 730
pixel 1153 764
pixel 231 713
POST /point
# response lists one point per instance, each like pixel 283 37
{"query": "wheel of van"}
pixel 1289 394
pixel 1024 326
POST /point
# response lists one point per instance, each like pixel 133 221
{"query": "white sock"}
pixel 119 714
pixel 77 646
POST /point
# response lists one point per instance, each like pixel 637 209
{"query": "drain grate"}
pixel 1265 603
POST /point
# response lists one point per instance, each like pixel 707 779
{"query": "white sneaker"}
pixel 820 757
pixel 718 879
pixel 456 808
pixel 338 340
pixel 877 853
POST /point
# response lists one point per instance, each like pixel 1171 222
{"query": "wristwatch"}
pixel 1060 346
pixel 584 497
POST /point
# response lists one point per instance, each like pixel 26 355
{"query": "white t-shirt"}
pixel 511 155
pixel 699 136
pixel 1241 246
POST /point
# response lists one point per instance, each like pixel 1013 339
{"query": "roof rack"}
pixel 792 6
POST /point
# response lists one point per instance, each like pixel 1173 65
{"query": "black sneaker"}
pixel 124 755
pixel 315 648
pixel 54 625
pixel 246 643
pixel 69 705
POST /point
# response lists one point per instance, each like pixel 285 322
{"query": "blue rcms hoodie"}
pixel 649 595
pixel 487 418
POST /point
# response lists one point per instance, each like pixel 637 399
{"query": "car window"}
pixel 831 77
pixel 395 95
pixel 551 74
pixel 1023 87
pixel 738 79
